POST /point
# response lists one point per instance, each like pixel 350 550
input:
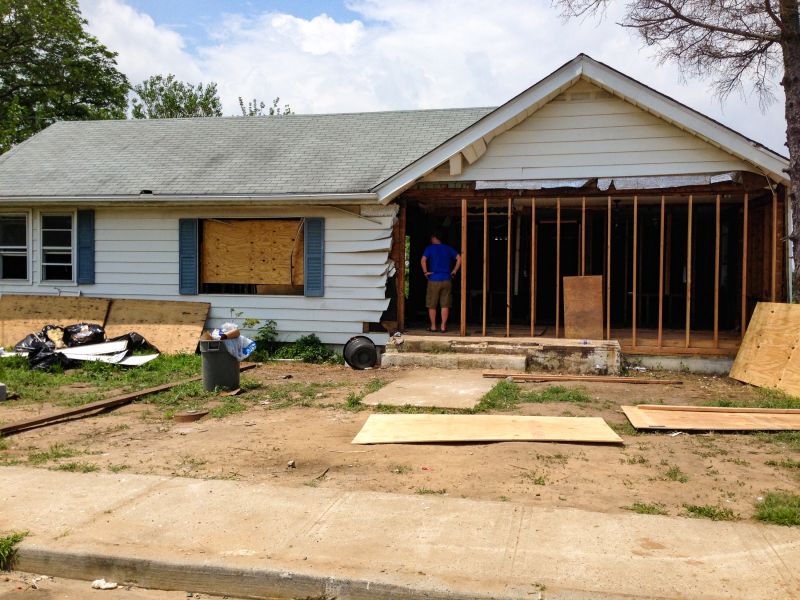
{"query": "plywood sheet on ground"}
pixel 172 327
pixel 583 307
pixel 403 429
pixel 24 314
pixel 255 251
pixel 693 418
pixel 443 388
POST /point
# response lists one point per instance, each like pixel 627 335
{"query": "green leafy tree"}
pixel 52 69
pixel 255 108
pixel 162 97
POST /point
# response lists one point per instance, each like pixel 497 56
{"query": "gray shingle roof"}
pixel 334 153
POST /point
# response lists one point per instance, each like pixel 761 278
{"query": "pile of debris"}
pixel 73 344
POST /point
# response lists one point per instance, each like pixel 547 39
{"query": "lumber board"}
pixel 172 327
pixel 769 354
pixel 106 404
pixel 583 307
pixel 692 418
pixel 24 314
pixel 403 428
pixel 255 251
pixel 533 378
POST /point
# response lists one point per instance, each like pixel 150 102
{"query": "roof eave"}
pixel 199 199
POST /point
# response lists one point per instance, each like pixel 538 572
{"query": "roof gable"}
pixel 472 143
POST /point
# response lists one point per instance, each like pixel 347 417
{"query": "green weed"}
pixel 781 508
pixel 55 452
pixel 647 508
pixel 8 549
pixel 706 511
pixel 786 463
pixel 428 491
pixel 763 398
pixel 674 473
pixel 76 467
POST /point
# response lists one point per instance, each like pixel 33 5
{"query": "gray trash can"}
pixel 220 368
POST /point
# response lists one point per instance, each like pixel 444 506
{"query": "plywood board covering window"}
pixel 256 256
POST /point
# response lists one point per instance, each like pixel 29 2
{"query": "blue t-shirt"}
pixel 440 261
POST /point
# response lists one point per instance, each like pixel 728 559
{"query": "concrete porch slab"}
pixel 434 387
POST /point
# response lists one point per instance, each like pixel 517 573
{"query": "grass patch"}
pixel 295 394
pixel 706 511
pixel 786 463
pixel 507 395
pixel 647 508
pixel 374 384
pixel 674 473
pixel 761 398
pixel 55 452
pixel 76 467
pixel 8 549
pixel 787 439
pixel 624 428
pixel 118 468
pixel 3 443
pixel 535 478
pixel 780 508
pixel 428 491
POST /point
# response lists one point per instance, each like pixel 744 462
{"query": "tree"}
pixel 737 43
pixel 52 69
pixel 162 97
pixel 259 109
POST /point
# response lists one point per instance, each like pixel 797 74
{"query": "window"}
pixel 14 247
pixel 57 245
pixel 252 256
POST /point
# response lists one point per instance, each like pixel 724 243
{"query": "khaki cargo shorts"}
pixel 439 294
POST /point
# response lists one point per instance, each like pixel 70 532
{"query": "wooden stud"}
pixel 583 236
pixel 689 273
pixel 508 272
pixel 608 273
pixel 716 274
pixel 558 265
pixel 533 266
pixel 774 253
pixel 635 256
pixel 463 267
pixel 744 263
pixel 661 277
pixel 401 271
pixel 485 261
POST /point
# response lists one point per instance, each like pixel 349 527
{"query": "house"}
pixel 319 221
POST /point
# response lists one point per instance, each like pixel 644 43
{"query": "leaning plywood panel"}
pixel 172 327
pixel 583 307
pixel 768 356
pixel 403 429
pixel 694 418
pixel 21 315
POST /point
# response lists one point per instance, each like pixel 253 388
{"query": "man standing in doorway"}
pixel 437 264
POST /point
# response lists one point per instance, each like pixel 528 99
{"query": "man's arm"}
pixel 424 263
pixel 458 264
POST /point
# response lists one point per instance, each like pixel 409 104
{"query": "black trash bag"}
pixel 44 358
pixel 33 342
pixel 82 334
pixel 136 341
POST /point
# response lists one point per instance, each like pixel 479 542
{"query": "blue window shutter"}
pixel 187 256
pixel 85 251
pixel 314 257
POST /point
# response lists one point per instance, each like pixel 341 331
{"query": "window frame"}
pixel 72 214
pixel 28 246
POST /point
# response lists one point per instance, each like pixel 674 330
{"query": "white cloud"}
pixel 403 54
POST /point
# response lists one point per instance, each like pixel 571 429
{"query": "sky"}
pixel 322 56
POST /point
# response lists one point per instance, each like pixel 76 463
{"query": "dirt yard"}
pixel 307 415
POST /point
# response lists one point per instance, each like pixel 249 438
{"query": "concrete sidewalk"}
pixel 259 540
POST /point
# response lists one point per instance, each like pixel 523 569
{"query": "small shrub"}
pixel 647 508
pixel 308 348
pixel 8 549
pixel 706 511
pixel 780 508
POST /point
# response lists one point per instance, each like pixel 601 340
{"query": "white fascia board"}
pixel 368 198
pixel 529 100
pixel 685 118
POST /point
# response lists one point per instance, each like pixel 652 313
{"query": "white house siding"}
pixel 136 256
pixel 587 132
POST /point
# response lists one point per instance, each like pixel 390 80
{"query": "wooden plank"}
pixel 608 273
pixel 583 307
pixel 661 276
pixel 100 405
pixel 409 428
pixel 716 272
pixel 532 270
pixel 722 409
pixel 745 210
pixel 508 271
pixel 558 266
pixel 689 273
pixel 539 377
pixel 172 327
pixel 24 314
pixel 691 419
pixel 485 263
pixel 463 324
pixel 635 271
pixel 255 251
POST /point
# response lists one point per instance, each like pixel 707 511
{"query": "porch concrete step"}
pixel 455 360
